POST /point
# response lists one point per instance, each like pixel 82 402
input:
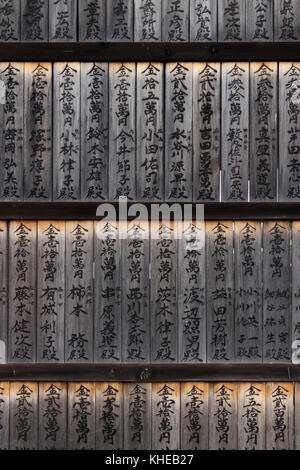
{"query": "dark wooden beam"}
pixel 150 372
pixel 39 52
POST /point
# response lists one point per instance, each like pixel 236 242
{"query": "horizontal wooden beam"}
pixel 150 372
pixel 87 210
pixel 226 52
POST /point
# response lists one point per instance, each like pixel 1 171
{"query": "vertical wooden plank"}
pixel 135 293
pixel 203 20
pixel 235 123
pixel 286 20
pixel 66 131
pixel 232 20
pixel 35 20
pixel 165 416
pixel 119 20
pixel 223 416
pixel 263 131
pixel 52 416
pixel 107 247
pixel 51 291
pixel 109 416
pixel 4 415
pixel 280 416
pixel 248 291
pixel 219 293
pixel 295 285
pixel 147 20
pixel 63 20
pixel 3 291
pixel 178 143
pixel 276 293
pixel 289 135
pixel 94 131
pixel 11 132
pixel 79 308
pixel 297 415
pixel 251 416
pixel 259 24
pixel 23 415
pixel 206 131
pixel 10 20
pixel 163 306
pixel 22 292
pixel 122 170
pixel 137 416
pixel 38 132
pixel 92 24
pixel 150 131
pixel 81 416
pixel 191 293
pixel 175 20
pixel 194 416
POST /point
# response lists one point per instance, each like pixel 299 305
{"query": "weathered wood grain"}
pixel 38 132
pixel 4 415
pixel 79 321
pixel 203 20
pixel 10 27
pixel 81 416
pixel 259 22
pixel 251 416
pixel 248 291
pixel 295 285
pixel 165 416
pixel 52 416
pixel 148 20
pixel 223 416
pixel 94 131
pixel 286 20
pixel 297 415
pixel 35 20
pixel 23 416
pixel 3 290
pixel 63 20
pixel 194 416
pixel 92 20
pixel 150 131
pixel 137 416
pixel 109 416
pixel 232 20
pixel 119 20
pixel 175 20
pixel 279 416
pixel 51 291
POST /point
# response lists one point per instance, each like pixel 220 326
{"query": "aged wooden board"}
pixel 223 416
pixel 263 131
pixel 191 293
pixel 63 20
pixel 23 416
pixel 279 416
pixel 122 166
pixel 248 291
pixel 150 131
pixel 251 416
pixel 165 416
pixel 179 143
pixel 4 415
pixel 219 292
pixel 259 23
pixel 276 292
pixel 175 20
pixel 289 136
pixel 297 415
pixel 235 138
pixel 81 416
pixel 286 20
pixel 92 24
pixel 109 416
pixel 119 20
pixel 163 306
pixel 147 20
pixel 66 131
pixel 52 416
pixel 11 132
pixel 35 20
pixel 295 256
pixel 21 294
pixel 38 132
pixel 135 293
pixel 3 290
pixel 94 131
pixel 206 131
pixel 203 20
pixel 137 416
pixel 107 323
pixel 79 321
pixel 194 416
pixel 10 20
pixel 51 291
pixel 232 20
